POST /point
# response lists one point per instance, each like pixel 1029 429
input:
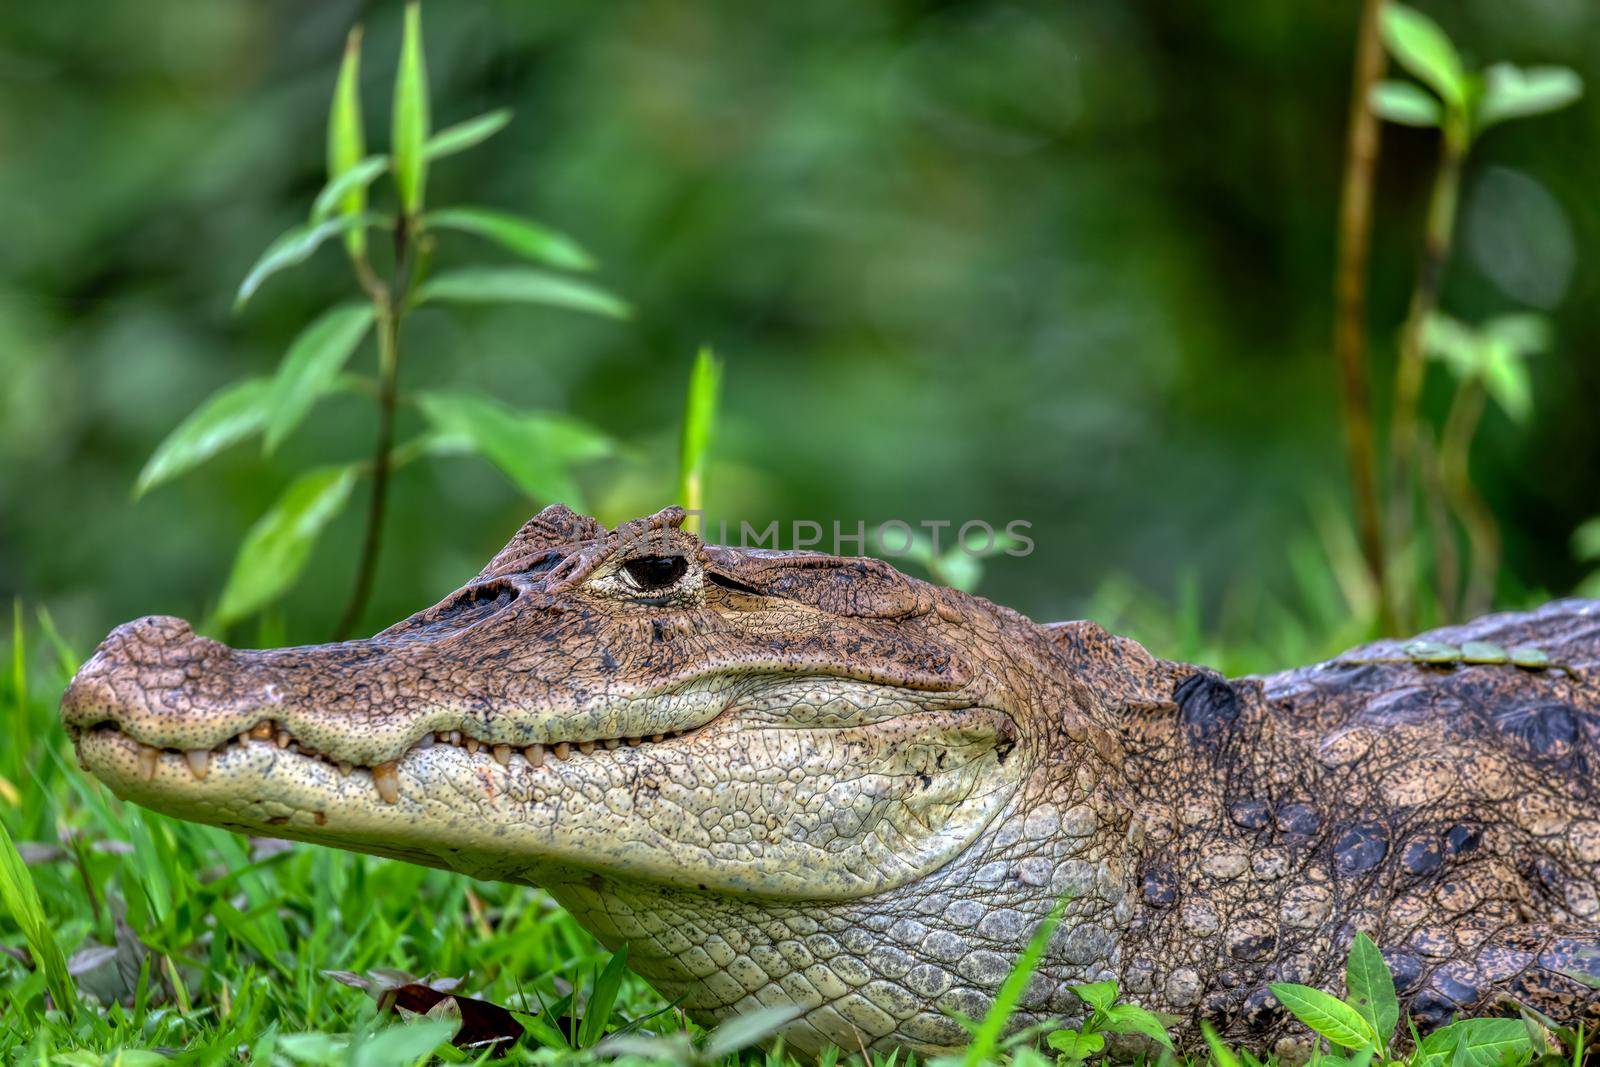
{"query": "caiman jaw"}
pixel 149 759
pixel 553 784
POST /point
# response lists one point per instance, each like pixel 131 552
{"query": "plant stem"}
pixel 1442 534
pixel 377 504
pixel 1483 533
pixel 1412 363
pixel 389 307
pixel 1350 294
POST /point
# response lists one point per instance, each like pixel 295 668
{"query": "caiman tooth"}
pixel 534 754
pixel 613 742
pixel 658 738
pixel 285 739
pixel 199 761
pixel 586 747
pixel 386 776
pixel 426 741
pixel 242 738
pixel 560 750
pixel 454 737
pixel 345 769
pixel 635 742
pixel 148 756
pixel 502 755
pixel 473 744
pixel 262 731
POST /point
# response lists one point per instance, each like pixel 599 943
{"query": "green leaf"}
pixel 347 141
pixel 1132 1019
pixel 353 180
pixel 295 247
pixel 699 417
pixel 403 1044
pixel 1371 987
pixel 1098 995
pixel 278 545
pixel 526 238
pixel 1452 342
pixel 1586 540
pixel 227 416
pixel 535 450
pixel 492 285
pixel 1327 1015
pixel 1512 92
pixel 1405 103
pixel 1473 1043
pixel 465 135
pixel 1505 376
pixel 742 1031
pixel 1075 1045
pixel 410 132
pixel 1420 46
pixel 1526 332
pixel 604 997
pixel 21 899
pixel 312 366
pixel 1221 1054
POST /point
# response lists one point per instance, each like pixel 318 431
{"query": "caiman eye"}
pixel 653 573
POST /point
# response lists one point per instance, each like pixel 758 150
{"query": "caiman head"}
pixel 715 755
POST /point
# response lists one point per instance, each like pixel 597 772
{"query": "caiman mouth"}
pixel 274 738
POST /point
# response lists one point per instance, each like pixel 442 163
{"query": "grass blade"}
pixel 604 997
pixel 21 899
pixel 699 418
pixel 986 1038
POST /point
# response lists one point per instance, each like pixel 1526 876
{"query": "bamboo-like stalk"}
pixel 1483 532
pixel 389 304
pixel 1403 428
pixel 1350 296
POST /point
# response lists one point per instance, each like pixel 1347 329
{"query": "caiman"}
pixel 799 779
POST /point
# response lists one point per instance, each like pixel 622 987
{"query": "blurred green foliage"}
pixel 1063 263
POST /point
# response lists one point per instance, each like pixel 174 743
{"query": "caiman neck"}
pixel 891 964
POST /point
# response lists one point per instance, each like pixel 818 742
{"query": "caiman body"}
pixel 786 778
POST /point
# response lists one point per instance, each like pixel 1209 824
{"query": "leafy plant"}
pixel 1488 361
pixel 960 566
pixel 1462 104
pixel 1365 1022
pixel 1106 1016
pixel 536 450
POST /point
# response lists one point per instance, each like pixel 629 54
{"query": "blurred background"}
pixel 1064 263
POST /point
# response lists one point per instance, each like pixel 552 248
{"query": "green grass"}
pixel 188 944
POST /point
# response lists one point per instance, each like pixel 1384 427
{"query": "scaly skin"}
pixel 788 778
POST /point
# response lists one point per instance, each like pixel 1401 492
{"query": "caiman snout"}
pixel 159 682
